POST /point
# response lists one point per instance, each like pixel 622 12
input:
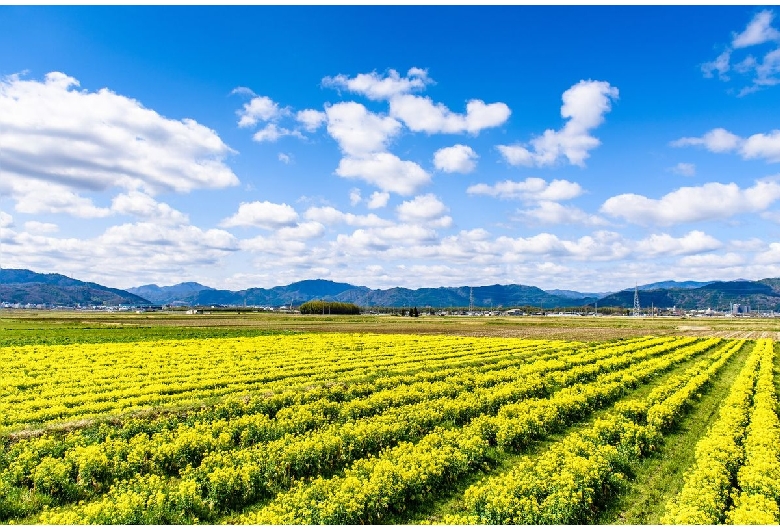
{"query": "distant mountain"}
pixel 299 292
pixel 575 294
pixel 22 286
pixel 181 292
pixel 715 295
pixel 670 284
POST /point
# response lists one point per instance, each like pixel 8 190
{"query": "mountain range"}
pixel 22 286
pixel 27 287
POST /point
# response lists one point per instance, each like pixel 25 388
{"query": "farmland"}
pixel 268 419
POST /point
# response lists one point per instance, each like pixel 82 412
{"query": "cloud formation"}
pixel 385 171
pixel 584 105
pixel 766 146
pixel 763 71
pixel 378 87
pixel 530 189
pixel 421 114
pixel 66 142
pixel 263 214
pixel 694 203
pixel 456 159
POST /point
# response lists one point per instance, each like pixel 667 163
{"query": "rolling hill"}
pixel 22 286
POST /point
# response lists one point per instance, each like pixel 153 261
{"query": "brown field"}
pixel 573 328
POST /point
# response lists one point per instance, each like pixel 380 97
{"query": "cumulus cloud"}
pixel 301 231
pixel 125 253
pixel 272 132
pixel 328 215
pixel 420 114
pixel 717 140
pixel 366 241
pixel 690 204
pixel 553 213
pixel 456 159
pixel 378 199
pixel 385 171
pixel 378 87
pixel 6 220
pixel 424 209
pixel 285 158
pixel 530 189
pixel 585 105
pixel 37 227
pixel 311 119
pixel 693 242
pixel 766 146
pixel 358 131
pixel 261 108
pixel 80 141
pixel 264 214
pixel 712 262
pixel 141 205
pixel 35 197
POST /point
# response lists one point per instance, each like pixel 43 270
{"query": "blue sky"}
pixel 571 147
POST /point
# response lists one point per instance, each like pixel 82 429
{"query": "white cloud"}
pixel 302 231
pixel 93 141
pixel 377 87
pixel 456 159
pixel 260 108
pixel 378 199
pixel 712 262
pixel 717 141
pixel 758 31
pixel 271 132
pixel 358 131
pixel 311 119
pixel 123 255
pixel 142 205
pixel 367 241
pixel 720 65
pixel 551 213
pixel 689 204
pixel 584 104
pixel 262 214
pixel 766 146
pixel 427 210
pixel 685 169
pixel 285 158
pixel 693 242
pixel 530 189
pixel 6 220
pixel 385 171
pixel 420 114
pixel 764 72
pixel 34 197
pixel 275 245
pixel 354 196
pixel 330 216
pixel 37 227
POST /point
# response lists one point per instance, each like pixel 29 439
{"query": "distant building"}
pixel 739 309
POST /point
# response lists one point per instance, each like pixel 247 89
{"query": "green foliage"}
pixel 322 307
